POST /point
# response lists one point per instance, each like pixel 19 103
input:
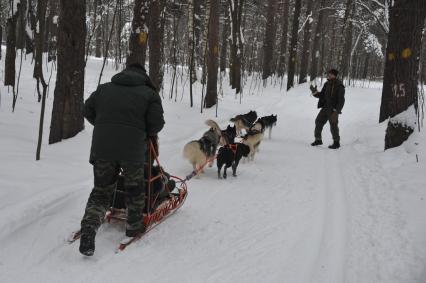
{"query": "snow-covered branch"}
pixel 383 22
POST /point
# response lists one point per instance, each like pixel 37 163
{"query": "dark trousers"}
pixel 106 176
pixel 333 118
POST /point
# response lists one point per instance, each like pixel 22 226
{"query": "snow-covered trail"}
pixel 295 214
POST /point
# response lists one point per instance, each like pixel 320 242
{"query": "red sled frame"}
pixel 153 217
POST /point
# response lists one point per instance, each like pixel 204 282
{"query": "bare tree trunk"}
pixel 212 54
pixel 93 31
pixel 331 58
pixel 9 68
pixel 67 113
pixel 236 9
pixel 53 29
pixel 98 41
pixel 1 28
pixel 38 67
pixel 346 42
pixel 293 45
pixel 20 24
pixel 191 48
pixel 1 38
pixel 155 41
pixel 269 40
pixel 225 36
pixel 139 35
pixel 197 31
pixel 304 62
pixel 284 39
pixel 400 83
pixel 317 39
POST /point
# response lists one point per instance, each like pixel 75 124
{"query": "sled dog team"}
pixel 238 141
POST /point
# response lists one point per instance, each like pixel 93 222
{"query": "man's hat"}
pixel 333 72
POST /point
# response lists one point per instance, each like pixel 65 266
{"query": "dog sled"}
pixel 157 206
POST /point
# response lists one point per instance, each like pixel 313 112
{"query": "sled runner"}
pixel 157 208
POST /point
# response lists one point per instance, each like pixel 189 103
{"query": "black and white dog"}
pixel 230 155
pixel 270 122
pixel 228 135
pixel 244 121
pixel 266 122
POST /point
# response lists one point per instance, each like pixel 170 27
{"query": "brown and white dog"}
pixel 200 151
pixel 253 139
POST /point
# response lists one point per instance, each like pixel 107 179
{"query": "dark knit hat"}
pixel 333 72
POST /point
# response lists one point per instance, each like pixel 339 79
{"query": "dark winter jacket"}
pixel 124 112
pixel 332 96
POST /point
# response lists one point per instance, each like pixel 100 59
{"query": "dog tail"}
pixel 212 124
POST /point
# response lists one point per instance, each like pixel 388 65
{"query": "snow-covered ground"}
pixel 295 214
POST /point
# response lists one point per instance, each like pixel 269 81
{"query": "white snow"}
pixel 406 118
pixel 295 214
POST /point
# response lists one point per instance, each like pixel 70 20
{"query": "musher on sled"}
pixel 126 113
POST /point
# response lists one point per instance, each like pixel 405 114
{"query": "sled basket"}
pixel 156 210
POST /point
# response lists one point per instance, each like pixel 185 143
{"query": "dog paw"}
pixel 234 175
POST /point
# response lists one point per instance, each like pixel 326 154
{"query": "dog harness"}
pixel 233 148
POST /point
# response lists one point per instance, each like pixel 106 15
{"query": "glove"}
pixel 313 89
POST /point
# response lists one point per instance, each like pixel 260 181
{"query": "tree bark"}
pixel 225 36
pixel 1 40
pixel 139 35
pixel 293 45
pixel 212 54
pixel 67 113
pixel 236 48
pixel 53 30
pixel 98 41
pixel 304 62
pixel 269 39
pixel 10 68
pixel 400 83
pixel 20 24
pixel 284 39
pixel 40 39
pixel 317 39
pixel 346 42
pixel 191 49
pixel 155 41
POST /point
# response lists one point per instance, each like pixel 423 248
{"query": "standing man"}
pixel 331 101
pixel 125 113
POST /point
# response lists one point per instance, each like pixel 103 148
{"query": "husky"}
pixel 259 126
pixel 230 155
pixel 253 139
pixel 244 121
pixel 228 135
pixel 200 151
pixel 269 122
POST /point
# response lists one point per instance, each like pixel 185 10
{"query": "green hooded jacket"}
pixel 124 112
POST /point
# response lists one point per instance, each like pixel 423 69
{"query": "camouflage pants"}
pixel 105 179
pixel 333 118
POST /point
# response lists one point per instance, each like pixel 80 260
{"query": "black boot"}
pixel 335 145
pixel 316 142
pixel 87 242
pixel 136 232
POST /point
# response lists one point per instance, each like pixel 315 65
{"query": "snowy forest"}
pixel 295 214
pixel 207 41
